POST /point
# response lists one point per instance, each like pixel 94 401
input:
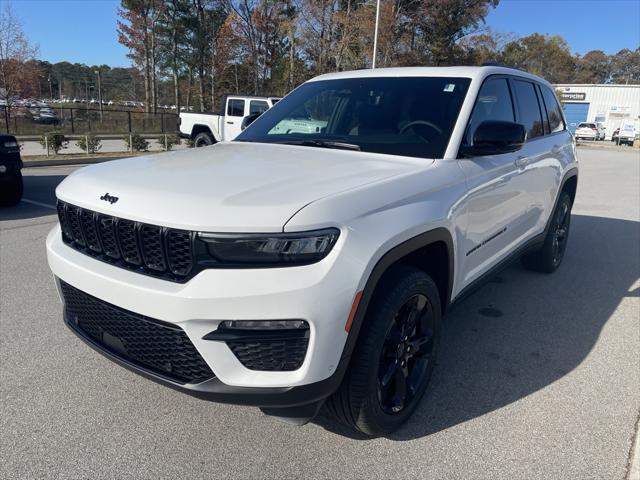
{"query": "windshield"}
pixel 587 125
pixel 411 116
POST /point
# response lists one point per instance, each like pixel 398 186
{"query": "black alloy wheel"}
pixel 405 360
pixel 560 233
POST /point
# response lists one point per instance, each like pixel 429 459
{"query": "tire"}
pixel 203 139
pixel 370 401
pixel 549 257
pixel 11 193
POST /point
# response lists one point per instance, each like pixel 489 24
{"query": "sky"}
pixel 84 31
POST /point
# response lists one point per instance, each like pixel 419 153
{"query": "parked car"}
pixel 11 186
pixel 626 134
pixel 590 131
pixel 294 271
pixel 209 128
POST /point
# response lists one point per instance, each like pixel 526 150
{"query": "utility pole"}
pixel 99 93
pixel 375 35
pixel 50 88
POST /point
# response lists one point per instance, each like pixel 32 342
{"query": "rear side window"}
pixel 258 106
pixel 493 103
pixel 528 108
pixel 235 107
pixel 554 112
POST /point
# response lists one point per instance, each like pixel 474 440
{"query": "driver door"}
pixel 495 205
pixel 234 114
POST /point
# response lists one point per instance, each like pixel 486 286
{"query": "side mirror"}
pixel 494 137
pixel 249 119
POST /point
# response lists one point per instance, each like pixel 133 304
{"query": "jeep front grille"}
pixel 150 249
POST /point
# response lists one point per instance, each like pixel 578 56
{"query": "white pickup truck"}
pixel 208 128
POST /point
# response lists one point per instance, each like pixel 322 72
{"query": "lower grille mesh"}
pixel 270 355
pixel 162 349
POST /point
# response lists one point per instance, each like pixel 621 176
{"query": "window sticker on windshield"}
pixel 449 87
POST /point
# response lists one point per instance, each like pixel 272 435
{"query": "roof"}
pixel 467 72
pixel 604 85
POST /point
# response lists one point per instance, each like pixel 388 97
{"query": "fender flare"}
pixel 397 252
pixel 205 126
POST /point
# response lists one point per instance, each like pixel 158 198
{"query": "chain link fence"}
pixel 18 120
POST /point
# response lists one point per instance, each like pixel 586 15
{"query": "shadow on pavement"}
pixel 524 331
pixel 38 188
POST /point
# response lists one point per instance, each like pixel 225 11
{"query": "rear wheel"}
pixel 11 192
pixel 395 355
pixel 550 256
pixel 203 139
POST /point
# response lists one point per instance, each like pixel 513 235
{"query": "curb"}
pixel 70 161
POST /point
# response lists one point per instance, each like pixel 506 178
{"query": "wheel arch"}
pixel 202 128
pixel 431 251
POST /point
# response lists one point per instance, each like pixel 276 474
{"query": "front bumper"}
pixel 217 391
pixel 321 294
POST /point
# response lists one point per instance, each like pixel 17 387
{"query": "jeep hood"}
pixel 229 187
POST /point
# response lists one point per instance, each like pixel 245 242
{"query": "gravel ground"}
pixel 538 377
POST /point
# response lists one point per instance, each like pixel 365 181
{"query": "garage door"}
pixel 575 113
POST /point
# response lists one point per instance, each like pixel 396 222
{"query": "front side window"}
pixel 493 103
pixel 258 106
pixel 412 116
pixel 528 108
pixel 235 107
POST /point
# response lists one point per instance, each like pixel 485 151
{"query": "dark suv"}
pixel 10 171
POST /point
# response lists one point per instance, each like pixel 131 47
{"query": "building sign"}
pixel 580 96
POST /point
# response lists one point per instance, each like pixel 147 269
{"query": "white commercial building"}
pixel 607 104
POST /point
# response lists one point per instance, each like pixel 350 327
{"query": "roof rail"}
pixel 500 64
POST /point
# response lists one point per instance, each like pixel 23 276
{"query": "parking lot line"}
pixel 39 204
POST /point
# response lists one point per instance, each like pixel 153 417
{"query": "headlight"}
pixel 10 144
pixel 264 250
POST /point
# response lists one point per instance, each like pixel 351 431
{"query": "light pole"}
pixel 375 35
pixel 97 72
pixel 50 88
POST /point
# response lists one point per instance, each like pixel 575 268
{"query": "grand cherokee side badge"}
pixel 108 198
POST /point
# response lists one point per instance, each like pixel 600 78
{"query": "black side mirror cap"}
pixel 249 119
pixel 493 137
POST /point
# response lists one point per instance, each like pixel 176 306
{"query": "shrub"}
pixel 136 142
pixel 168 141
pixel 89 143
pixel 56 141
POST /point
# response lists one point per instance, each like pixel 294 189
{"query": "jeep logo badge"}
pixel 108 198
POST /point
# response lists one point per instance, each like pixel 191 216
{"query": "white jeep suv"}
pixel 292 269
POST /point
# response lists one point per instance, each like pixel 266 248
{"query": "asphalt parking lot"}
pixel 539 376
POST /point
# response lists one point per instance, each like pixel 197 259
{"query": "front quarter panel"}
pixel 381 216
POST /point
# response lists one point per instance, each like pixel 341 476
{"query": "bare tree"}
pixel 18 70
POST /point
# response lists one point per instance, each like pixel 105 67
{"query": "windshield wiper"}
pixel 322 144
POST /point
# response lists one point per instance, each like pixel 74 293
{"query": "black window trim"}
pixel 513 78
pixel 229 99
pixel 558 104
pixel 546 122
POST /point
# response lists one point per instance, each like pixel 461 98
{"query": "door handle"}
pixel 230 123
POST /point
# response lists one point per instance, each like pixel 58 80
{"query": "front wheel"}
pixel 550 255
pixel 394 357
pixel 11 193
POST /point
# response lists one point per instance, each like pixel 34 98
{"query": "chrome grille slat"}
pixel 150 249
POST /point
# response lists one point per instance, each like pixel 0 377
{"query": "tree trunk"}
pixel 201 75
pixel 189 88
